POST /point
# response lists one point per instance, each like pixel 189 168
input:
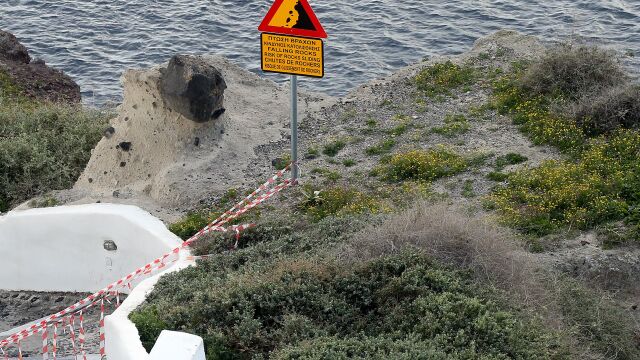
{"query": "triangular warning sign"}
pixel 292 17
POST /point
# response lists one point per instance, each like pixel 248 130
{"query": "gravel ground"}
pixel 19 308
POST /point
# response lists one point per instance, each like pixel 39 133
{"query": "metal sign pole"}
pixel 294 128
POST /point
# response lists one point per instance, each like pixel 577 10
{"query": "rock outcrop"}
pixel 193 88
pixel 34 78
pixel 160 158
pixel 11 49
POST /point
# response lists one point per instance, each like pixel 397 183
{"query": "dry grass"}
pixel 609 110
pixel 447 234
pixel 571 71
pixel 583 319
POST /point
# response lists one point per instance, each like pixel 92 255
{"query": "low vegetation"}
pixel 442 78
pixel 337 201
pixel 280 296
pixel 43 147
pixel 333 148
pixel 509 159
pixel 453 125
pixel 597 183
pixel 384 147
pixel 423 165
pixel 336 275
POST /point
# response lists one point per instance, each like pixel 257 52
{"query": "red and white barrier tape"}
pixel 45 342
pixel 54 341
pixel 240 208
pixel 72 335
pixel 81 337
pixel 102 336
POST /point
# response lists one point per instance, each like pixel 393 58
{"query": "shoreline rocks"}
pixel 34 78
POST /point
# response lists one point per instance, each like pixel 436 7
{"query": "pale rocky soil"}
pixel 167 175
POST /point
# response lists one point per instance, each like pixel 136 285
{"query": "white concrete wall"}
pixel 62 248
pixel 177 345
pixel 122 337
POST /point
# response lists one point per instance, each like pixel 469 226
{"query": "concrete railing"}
pixel 82 249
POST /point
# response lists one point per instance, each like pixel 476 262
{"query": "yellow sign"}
pixel 292 55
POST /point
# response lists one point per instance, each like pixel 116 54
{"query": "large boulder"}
pixel 34 78
pixel 193 88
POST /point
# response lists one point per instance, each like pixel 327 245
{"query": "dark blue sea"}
pixel 94 41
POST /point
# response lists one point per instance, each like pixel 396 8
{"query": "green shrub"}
pixel 497 176
pixel 509 159
pixel 558 194
pixel 44 147
pixel 398 129
pixel 149 325
pixel 424 165
pixel 312 153
pixel 349 162
pixel 9 91
pixel 299 307
pixel 467 189
pixel 534 116
pixel 384 147
pixel 190 224
pixel 337 201
pixel 440 79
pixel 282 162
pixel 453 125
pixel 330 348
pixel 601 185
pixel 330 175
pixel 334 147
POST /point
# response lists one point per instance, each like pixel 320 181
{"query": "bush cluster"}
pixel 606 111
pixel 534 116
pixel 441 78
pixel 44 147
pixel 578 91
pixel 509 159
pixel 333 148
pixel 606 327
pixel 338 201
pixel 570 71
pixel 599 132
pixel 306 308
pixel 191 224
pixel 602 185
pixel 424 165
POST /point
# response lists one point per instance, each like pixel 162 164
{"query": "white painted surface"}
pixel 122 340
pixel 62 248
pixel 177 345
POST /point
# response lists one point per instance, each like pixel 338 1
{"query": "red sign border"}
pixel 318 33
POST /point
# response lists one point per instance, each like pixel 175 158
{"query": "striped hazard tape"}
pixel 268 189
